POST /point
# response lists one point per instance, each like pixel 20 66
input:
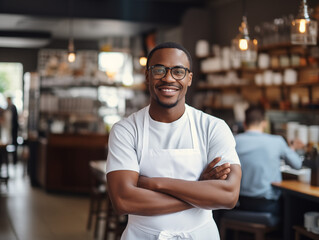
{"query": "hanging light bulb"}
pixel 303 28
pixel 71 52
pixel 143 61
pixel 243 47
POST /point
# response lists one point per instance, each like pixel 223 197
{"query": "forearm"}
pixel 210 194
pixel 127 198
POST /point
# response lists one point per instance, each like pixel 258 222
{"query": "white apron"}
pixel 184 164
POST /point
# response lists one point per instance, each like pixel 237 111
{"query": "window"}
pixel 11 84
pixel 118 66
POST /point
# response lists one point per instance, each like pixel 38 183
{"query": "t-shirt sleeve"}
pixel 222 144
pixel 121 150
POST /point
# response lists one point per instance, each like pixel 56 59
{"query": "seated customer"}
pixel 260 155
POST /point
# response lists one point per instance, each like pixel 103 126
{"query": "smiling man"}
pixel 170 164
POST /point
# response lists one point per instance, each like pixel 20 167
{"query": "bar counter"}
pixel 62 161
pixel 298 198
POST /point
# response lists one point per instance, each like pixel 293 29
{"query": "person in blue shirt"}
pixel 260 155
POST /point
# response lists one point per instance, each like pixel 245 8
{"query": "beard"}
pixel 164 105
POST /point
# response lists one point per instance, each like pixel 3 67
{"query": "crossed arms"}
pixel 130 193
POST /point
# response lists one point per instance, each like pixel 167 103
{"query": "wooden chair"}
pixel 115 224
pixel 256 223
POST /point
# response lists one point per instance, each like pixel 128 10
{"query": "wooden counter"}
pixel 298 198
pixel 64 161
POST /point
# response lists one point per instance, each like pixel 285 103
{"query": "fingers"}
pixel 214 162
pixel 220 168
pixel 218 174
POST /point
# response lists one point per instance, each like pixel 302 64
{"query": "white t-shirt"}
pixel 126 139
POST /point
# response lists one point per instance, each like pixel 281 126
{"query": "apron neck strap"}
pixel 147 125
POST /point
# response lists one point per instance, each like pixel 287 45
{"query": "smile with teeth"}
pixel 168 90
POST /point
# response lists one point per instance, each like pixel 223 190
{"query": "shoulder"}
pixel 275 138
pixel 131 123
pixel 205 118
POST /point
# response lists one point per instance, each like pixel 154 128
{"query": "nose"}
pixel 168 77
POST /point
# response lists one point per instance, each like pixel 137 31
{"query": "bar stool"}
pixel 4 162
pixel 115 224
pixel 257 223
pixel 98 194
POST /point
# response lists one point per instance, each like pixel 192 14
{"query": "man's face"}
pixel 168 92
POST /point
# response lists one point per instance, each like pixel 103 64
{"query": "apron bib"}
pixel 173 163
pixel 184 164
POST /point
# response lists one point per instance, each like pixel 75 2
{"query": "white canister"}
pixel 292 131
pixel 277 78
pixel 202 48
pixel 314 134
pixel 311 221
pixel 303 133
pixel 263 61
pixel 290 76
pixel 259 79
pixel 268 77
pixel 304 175
pixel 226 64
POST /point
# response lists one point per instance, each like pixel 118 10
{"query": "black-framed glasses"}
pixel 160 71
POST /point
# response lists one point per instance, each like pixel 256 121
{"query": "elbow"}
pixel 232 200
pixel 119 207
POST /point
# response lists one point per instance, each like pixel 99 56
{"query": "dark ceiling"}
pixel 91 19
pixel 147 11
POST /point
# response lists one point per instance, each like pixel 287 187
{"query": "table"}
pixel 298 198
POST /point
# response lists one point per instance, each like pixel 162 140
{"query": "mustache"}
pixel 167 85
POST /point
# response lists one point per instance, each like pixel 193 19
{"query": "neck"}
pixel 167 115
pixel 255 128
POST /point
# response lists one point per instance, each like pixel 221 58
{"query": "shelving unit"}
pixel 69 107
pixel 243 78
pixel 222 89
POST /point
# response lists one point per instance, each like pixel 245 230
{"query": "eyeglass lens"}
pixel 178 73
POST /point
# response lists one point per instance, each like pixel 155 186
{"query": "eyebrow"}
pixel 161 65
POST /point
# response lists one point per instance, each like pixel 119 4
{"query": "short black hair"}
pixel 169 45
pixel 255 114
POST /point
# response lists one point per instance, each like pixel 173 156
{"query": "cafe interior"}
pixel 74 68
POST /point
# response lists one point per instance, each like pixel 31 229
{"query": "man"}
pixel 14 127
pixel 260 155
pixel 159 167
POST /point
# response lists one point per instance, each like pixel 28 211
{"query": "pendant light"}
pixel 71 49
pixel 303 28
pixel 244 48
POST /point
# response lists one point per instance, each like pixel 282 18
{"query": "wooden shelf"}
pixel 203 87
pixel 88 117
pixel 300 230
pixel 68 86
pixel 226 108
pixel 259 70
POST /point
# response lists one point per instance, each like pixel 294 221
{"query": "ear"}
pixel 264 124
pixel 245 126
pixel 190 79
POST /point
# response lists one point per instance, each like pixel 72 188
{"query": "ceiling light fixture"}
pixel 243 47
pixel 303 28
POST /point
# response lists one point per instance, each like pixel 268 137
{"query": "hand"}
pixel 296 144
pixel 215 173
